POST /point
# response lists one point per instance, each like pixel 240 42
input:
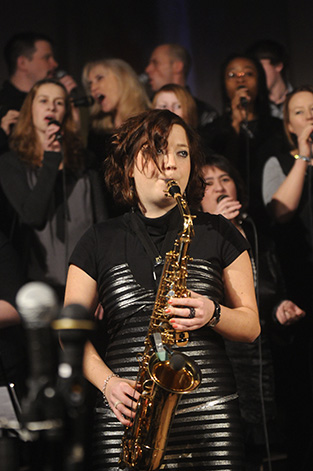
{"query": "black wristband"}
pixel 215 316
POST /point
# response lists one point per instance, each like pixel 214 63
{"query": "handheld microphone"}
pixel 311 136
pixel 221 197
pixel 243 100
pixel 87 100
pixel 58 134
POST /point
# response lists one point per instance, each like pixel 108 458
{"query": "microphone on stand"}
pixel 41 408
pixel 73 326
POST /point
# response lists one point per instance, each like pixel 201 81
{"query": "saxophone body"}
pixel 165 374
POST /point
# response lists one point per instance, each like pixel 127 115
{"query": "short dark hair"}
pixel 216 160
pixel 149 132
pixel 272 50
pixel 180 53
pixel 22 44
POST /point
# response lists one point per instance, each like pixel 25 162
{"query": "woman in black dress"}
pixel 52 192
pixel 111 265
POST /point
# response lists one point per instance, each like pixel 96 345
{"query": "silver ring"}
pixel 192 313
pixel 117 403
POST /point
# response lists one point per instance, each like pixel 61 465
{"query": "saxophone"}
pixel 164 374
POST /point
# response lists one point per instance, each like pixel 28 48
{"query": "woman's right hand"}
pixel 50 143
pixel 228 207
pixel 122 398
pixel 304 141
pixel 8 120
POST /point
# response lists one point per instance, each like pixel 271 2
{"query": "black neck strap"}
pixel 141 231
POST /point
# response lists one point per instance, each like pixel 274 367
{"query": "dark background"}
pixel 130 29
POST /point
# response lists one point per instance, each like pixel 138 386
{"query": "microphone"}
pixel 87 100
pixel 221 197
pixel 242 216
pixel 243 100
pixel 37 304
pixel 73 325
pixel 311 136
pixel 58 134
pixel 143 78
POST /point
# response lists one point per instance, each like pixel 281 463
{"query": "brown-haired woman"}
pixel 178 100
pixel 116 263
pixel 46 179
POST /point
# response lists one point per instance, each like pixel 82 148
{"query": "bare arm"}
pixel 240 322
pixel 82 289
pixel 8 314
pixel 286 199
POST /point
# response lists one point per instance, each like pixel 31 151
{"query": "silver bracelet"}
pixel 112 375
pixel 302 157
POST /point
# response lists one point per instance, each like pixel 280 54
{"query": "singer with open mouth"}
pixel 118 95
pixel 52 192
pixel 119 264
pixel 246 133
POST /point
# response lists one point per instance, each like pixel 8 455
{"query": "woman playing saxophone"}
pixel 119 264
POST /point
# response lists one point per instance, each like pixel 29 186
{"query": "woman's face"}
pixel 169 101
pixel 217 183
pixel 48 104
pixel 241 73
pixel 151 183
pixel 300 110
pixel 105 88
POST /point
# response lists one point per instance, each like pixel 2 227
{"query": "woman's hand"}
pixel 228 207
pixel 50 143
pixel 304 142
pixel 288 313
pixel 9 119
pixel 122 398
pixel 190 313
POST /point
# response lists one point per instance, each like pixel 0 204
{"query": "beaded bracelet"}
pixel 112 375
pixel 302 157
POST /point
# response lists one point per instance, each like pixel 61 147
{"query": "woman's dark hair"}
pixel 261 104
pixel 221 162
pixel 292 138
pixel 148 132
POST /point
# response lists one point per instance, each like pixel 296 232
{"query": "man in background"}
pixel 274 60
pixel 171 63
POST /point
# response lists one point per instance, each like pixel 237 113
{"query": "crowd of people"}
pixel 99 206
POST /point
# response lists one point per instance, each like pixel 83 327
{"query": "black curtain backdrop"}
pixel 130 29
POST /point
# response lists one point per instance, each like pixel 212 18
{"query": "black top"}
pixel 113 255
pixel 46 223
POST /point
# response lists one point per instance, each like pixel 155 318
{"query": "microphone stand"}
pixel 248 136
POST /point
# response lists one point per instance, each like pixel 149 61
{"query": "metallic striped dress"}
pixel 206 432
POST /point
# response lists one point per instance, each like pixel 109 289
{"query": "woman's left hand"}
pixel 190 313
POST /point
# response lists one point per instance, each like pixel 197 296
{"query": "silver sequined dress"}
pixel 206 433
